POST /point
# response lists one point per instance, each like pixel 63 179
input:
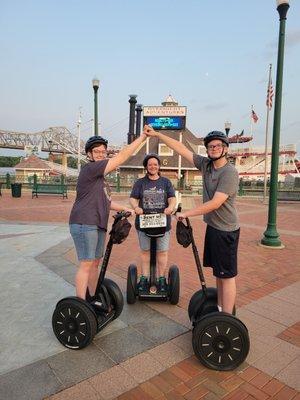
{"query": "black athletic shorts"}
pixel 220 252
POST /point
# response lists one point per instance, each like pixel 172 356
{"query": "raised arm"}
pixel 179 147
pixel 124 154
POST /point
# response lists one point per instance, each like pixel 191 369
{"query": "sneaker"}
pixel 143 284
pixel 162 284
pixel 88 297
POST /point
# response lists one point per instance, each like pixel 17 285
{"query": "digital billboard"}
pixel 161 123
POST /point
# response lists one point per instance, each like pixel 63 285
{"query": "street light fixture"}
pixel 271 236
pixel 96 84
pixel 227 127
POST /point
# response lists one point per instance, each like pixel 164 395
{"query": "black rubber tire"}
pixel 221 341
pixel 74 323
pixel 116 296
pixel 199 305
pixel 174 284
pixel 131 284
pixel 195 309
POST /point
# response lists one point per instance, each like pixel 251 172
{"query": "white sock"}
pixel 220 308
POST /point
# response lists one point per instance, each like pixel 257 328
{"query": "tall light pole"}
pixel 271 236
pixel 96 87
pixel 79 147
pixel 227 127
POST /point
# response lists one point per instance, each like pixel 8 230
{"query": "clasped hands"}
pixel 149 131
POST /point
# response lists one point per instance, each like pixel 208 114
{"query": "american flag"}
pixel 270 94
pixel 254 116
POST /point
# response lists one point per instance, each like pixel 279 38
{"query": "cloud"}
pixel 214 107
pixel 293 38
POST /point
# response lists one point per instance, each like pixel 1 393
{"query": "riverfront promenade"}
pixel 146 353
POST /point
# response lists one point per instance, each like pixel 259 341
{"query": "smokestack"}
pixel 138 109
pixel 132 101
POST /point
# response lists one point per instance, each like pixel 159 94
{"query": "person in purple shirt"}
pixel 89 215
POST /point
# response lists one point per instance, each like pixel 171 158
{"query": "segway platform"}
pixel 154 225
pixel 75 321
pixel 220 340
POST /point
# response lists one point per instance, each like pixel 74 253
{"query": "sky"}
pixel 212 56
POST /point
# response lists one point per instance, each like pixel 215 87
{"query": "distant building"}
pixel 170 119
pixel 32 165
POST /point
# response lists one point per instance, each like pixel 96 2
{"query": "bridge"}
pixel 53 140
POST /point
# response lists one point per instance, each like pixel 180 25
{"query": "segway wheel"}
pixel 221 341
pixel 74 324
pixel 131 284
pixel 174 284
pixel 115 295
pixel 200 305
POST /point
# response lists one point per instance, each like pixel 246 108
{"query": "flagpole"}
pixel 267 131
pixel 251 128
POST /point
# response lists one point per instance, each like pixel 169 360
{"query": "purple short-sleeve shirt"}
pixel 93 198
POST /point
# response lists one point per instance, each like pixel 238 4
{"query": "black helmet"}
pixel 216 135
pixel 93 141
pixel 148 156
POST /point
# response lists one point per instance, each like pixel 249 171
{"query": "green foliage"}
pixel 6 161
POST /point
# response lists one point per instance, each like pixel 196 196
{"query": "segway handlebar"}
pixel 196 254
pixel 122 214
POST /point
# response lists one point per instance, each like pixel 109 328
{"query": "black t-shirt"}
pixel 153 196
pixel 93 196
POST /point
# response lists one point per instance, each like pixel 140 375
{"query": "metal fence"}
pixel 121 183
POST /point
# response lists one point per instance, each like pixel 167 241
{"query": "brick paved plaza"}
pixel 147 352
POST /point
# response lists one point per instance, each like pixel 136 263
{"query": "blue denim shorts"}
pixel 162 242
pixel 89 241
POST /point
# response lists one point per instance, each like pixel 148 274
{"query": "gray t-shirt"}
pixel 93 197
pixel 224 180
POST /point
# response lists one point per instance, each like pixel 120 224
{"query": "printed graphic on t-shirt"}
pixel 107 190
pixel 153 199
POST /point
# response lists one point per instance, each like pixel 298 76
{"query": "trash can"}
pixel 16 189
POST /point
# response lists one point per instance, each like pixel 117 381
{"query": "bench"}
pixel 49 188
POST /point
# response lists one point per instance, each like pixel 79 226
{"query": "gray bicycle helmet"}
pixel 148 156
pixel 95 140
pixel 216 135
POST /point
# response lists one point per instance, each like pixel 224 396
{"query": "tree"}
pixel 7 161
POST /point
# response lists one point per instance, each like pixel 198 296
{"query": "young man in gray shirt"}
pixel 220 186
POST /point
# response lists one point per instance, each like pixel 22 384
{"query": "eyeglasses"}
pixel 100 152
pixel 216 146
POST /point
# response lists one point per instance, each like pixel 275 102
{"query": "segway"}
pixel 75 321
pixel 154 225
pixel 220 340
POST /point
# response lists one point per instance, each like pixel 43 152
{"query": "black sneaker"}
pixel 88 297
pixel 162 284
pixel 143 284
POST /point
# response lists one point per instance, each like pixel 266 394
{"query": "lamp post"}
pixel 96 87
pixel 271 236
pixel 227 127
pixel 79 139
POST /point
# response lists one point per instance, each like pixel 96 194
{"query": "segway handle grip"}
pixel 179 208
pixel 121 214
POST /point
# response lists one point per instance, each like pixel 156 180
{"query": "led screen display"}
pixel 165 122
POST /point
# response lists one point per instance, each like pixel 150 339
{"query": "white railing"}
pixel 261 149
